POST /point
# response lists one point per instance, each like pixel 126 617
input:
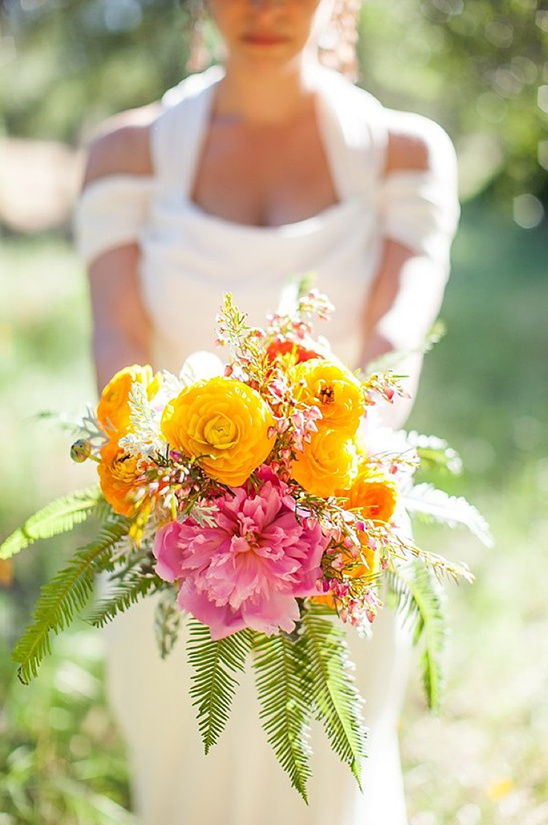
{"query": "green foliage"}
pixel 299 676
pixel 432 504
pixel 214 683
pixel 134 588
pixel 283 687
pixel 419 597
pixel 167 621
pixel 80 60
pixel 58 517
pixel 476 67
pixel 61 760
pixel 332 692
pixel 64 596
pixel 435 454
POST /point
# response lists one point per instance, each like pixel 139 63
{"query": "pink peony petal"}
pixel 247 570
pixel 167 551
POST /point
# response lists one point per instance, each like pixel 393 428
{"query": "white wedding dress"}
pixel 189 258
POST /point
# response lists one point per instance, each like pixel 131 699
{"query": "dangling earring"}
pixel 199 55
pixel 338 43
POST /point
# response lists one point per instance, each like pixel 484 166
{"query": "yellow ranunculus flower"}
pixel 223 423
pixel 334 390
pixel 327 463
pixel 113 411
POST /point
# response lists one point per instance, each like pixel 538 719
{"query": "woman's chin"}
pixel 266 56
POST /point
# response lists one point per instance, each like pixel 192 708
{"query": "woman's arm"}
pixel 407 292
pixel 121 327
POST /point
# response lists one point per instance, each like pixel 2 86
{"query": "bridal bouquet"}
pixel 259 500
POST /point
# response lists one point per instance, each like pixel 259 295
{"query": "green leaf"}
pixel 436 505
pixel 130 591
pixel 167 621
pixel 333 692
pixel 282 683
pixel 64 596
pixel 435 453
pixel 421 602
pixel 59 516
pixel 213 682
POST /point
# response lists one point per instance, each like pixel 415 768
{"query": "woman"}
pixel 244 176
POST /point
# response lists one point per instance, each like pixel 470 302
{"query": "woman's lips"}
pixel 263 39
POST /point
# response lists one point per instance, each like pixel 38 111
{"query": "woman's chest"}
pixel 263 175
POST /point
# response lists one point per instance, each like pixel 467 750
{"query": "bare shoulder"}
pixel 416 143
pixel 122 146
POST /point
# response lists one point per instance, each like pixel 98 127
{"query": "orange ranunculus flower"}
pixel 327 463
pixel 334 390
pixel 223 423
pixel 292 350
pixel 117 477
pixel 373 493
pixel 113 411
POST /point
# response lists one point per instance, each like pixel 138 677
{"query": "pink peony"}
pixel 248 570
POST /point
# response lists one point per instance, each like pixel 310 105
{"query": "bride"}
pixel 267 166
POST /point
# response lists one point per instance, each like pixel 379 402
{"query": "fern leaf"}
pixel 436 505
pixel 282 673
pixel 435 452
pixel 128 592
pixel 167 621
pixel 333 691
pixel 213 682
pixel 421 603
pixel 59 516
pixel 64 596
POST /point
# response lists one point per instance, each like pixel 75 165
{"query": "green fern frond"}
pixel 435 453
pixel 167 621
pixel 213 682
pixel 420 600
pixel 64 596
pixel 128 592
pixel 333 691
pixel 103 510
pixel 433 504
pixel 282 685
pixel 59 516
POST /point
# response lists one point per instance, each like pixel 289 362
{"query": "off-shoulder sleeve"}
pixel 111 212
pixel 420 210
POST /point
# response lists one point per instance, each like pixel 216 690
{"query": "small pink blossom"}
pixel 249 569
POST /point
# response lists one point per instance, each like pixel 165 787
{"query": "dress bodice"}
pixel 190 257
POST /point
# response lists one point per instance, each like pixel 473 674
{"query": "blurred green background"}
pixel 481 69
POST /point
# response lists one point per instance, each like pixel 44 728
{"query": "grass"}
pixel 483 759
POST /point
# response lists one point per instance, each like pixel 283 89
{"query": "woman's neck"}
pixel 273 96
